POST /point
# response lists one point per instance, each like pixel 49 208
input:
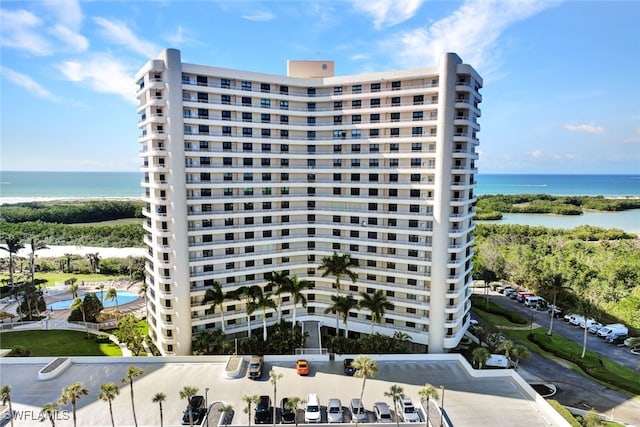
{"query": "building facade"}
pixel 247 174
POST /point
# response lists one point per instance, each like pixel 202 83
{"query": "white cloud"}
pixel 536 154
pixel 387 13
pixel 101 73
pixel 263 16
pixel 585 128
pixel 28 83
pixel 76 41
pixel 20 30
pixel 119 33
pixel 472 31
pixel 68 12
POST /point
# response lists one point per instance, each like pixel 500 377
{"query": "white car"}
pixel 628 342
pixel 358 413
pixel 312 410
pixel 383 414
pixel 408 411
pixel 334 411
pixel 576 319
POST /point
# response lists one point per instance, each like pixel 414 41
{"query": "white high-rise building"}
pixel 246 174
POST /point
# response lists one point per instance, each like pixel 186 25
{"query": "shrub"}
pixel 564 412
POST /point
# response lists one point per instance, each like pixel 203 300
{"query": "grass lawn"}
pixel 494 319
pixel 58 343
pixel 53 277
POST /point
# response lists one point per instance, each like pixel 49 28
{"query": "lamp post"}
pixel 206 398
pixel 442 407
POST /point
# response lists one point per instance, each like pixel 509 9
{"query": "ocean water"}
pixel 127 184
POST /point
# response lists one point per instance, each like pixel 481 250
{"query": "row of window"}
pixel 311 148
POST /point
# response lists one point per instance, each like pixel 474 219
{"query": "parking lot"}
pixel 617 353
pixel 493 400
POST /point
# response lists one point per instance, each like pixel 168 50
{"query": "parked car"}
pixel 616 337
pixel 613 327
pixel 520 296
pixel 532 301
pixel 334 411
pixel 629 341
pixel 557 312
pixel 264 411
pixel 587 323
pixel 312 410
pixel 302 367
pixel 198 410
pixel 408 411
pixel 509 291
pixel 567 316
pixel 288 415
pixel 594 328
pixel 499 289
pixel 382 412
pixel 576 319
pixel 358 412
pixel 348 367
pixel 256 364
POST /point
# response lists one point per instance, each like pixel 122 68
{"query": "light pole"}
pixel 206 398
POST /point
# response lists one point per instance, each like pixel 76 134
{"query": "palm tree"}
pixel 32 256
pixel 249 294
pixel 377 304
pixel 108 392
pixel 112 293
pixel 480 355
pixel 426 393
pixel 293 404
pixel 342 305
pixel 364 367
pixel 72 286
pixel 5 395
pixel 132 372
pixel 94 260
pixel 249 400
pixel 188 392
pixel 396 393
pixel 295 288
pixel 280 282
pixel 555 283
pixel 13 245
pixel 507 347
pixel 227 413
pixel 101 289
pixel 142 291
pixel 338 265
pixel 159 398
pixel 263 301
pixel 79 303
pixel 216 296
pixel 586 308
pixel 71 394
pixel 50 410
pixel 274 378
pixel 519 353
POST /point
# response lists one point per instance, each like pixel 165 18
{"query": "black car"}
pixel 198 410
pixel 616 338
pixel 264 411
pixel 348 367
pixel 288 415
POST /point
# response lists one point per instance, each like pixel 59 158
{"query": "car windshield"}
pixel 409 409
pixel 334 410
pixel 254 365
pixel 312 408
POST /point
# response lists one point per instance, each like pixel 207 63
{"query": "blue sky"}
pixel 561 91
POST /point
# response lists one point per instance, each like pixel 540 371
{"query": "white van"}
pixel 614 327
pixel 498 361
pixel 532 301
pixel 312 410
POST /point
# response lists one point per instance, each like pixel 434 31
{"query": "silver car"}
pixel 408 411
pixel 334 411
pixel 383 414
pixel 358 412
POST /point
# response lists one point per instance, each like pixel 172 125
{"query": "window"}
pixel 265 103
pixel 374 163
pixel 356 88
pixel 395 117
pixel 355 148
pixel 284 162
pixel 284 148
pixel 393 207
pixel 311 134
pixel 337 191
pixel 225 83
pixel 225 99
pixel 337 163
pixel 355 191
pixel 265 87
pixel 395 132
pixel 415 162
pixel 354 233
pixel 374 148
pixel 393 177
pixel 248 176
pixel 337 120
pixel 284 119
pixel 337 177
pixel 246 85
pixel 374 133
pixel 246 117
pixel 228 176
pixel 311 91
pixel 226 115
pixel 311 106
pixel 415 177
pixel 394 146
pixel 356 103
pixel 373 206
pixel 284 89
pixel 395 101
pixel 266 206
pixel 395 85
pixel 374 118
pixel 284 176
pixel 355 163
pixel 392 222
pixel 247 146
pixel 418 99
pixel 414 193
pixel 373 192
pixel 247 162
pixel 266 148
pixel 417 115
pixel 354 248
pixel 337 90
pixel 226 130
pixel 393 163
pixel 311 148
pixel 337 105
pixel 246 101
pixel 416 131
pixel 375 102
pixel 227 161
pixel 375 87
pixel 413 223
pixel 311 120
pixel 247 132
pixel 355 177
pixel 356 133
pixel 284 105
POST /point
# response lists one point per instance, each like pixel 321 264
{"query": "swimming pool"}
pixel 124 297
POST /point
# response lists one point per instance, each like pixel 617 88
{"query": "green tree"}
pixel 142 291
pixel 94 261
pixel 188 392
pixel 262 301
pixel 377 303
pixel 396 393
pixel 342 305
pixel 274 377
pixel 555 283
pixel 92 308
pixel 159 398
pixel 507 347
pixel 78 304
pixel 129 332
pixel 112 293
pixel 587 309
pixel 49 411
pixel 480 355
pixel 338 265
pixel 227 413
pixel 279 282
pixel 216 297
pixel 365 367
pixel 427 393
pixel 108 392
pixel 13 245
pixel 132 372
pixel 71 394
pixel 5 395
pixel 519 353
pixel 252 399
pixel 72 286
